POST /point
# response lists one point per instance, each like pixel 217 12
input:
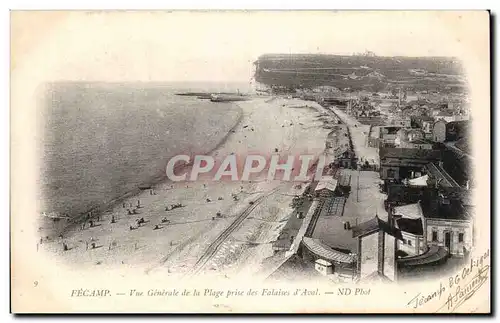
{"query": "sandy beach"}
pixel 194 232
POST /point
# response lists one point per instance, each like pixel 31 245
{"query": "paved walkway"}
pixel 302 231
pixel 359 136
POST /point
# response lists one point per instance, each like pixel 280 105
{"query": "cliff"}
pixel 358 72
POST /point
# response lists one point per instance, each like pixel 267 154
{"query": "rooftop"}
pixel 410 153
pixel 410 211
pixel 413 226
pixel 439 174
pixel 451 210
pixel 330 184
pixel 445 113
pixel 423 118
pixel 376 277
pixel 326 252
pixel 374 225
pixel 421 142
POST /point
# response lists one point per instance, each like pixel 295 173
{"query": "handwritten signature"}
pixel 460 287
pixel 464 292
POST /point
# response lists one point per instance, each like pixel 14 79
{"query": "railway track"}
pixel 215 245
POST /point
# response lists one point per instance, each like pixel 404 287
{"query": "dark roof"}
pixel 445 113
pixel 391 129
pixel 420 142
pixel 375 225
pixel 438 173
pixel 419 102
pixel 461 128
pixel 413 153
pixel 413 226
pixel 405 194
pixel 422 118
pixel 451 210
pixel 464 145
pixel 460 123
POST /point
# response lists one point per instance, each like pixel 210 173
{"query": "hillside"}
pixel 359 72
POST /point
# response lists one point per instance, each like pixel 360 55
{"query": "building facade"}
pixel 439 131
pixel 453 234
pixel 416 144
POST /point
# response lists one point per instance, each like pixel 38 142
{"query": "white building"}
pixel 377 245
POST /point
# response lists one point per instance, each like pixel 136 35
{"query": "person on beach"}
pixel 113 219
pixel 92 242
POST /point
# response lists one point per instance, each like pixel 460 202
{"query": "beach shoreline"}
pixel 100 209
pixel 292 126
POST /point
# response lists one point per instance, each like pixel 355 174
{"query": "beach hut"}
pixel 323 267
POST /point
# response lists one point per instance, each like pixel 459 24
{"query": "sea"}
pixel 98 141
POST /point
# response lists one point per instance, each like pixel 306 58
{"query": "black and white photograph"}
pixel 250 161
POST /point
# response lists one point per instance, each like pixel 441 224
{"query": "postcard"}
pixel 250 162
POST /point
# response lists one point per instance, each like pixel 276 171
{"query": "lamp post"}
pixel 357 191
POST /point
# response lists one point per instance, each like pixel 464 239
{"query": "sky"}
pixel 216 46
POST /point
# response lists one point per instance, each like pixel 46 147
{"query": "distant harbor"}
pixel 217 96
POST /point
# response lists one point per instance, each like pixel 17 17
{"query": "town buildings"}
pixel 377 245
pixel 427 179
pixel 439 131
pixel 338 143
pixel 400 163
